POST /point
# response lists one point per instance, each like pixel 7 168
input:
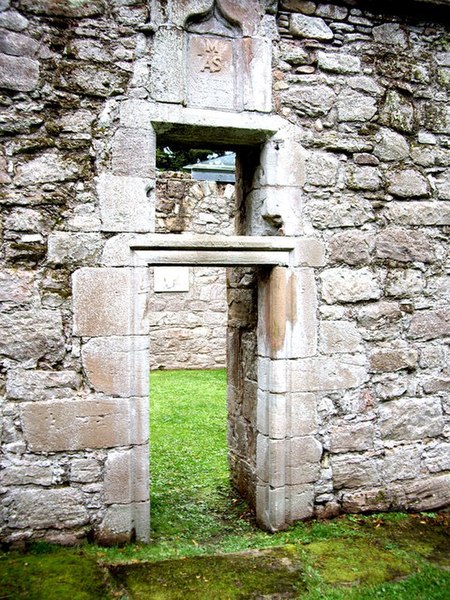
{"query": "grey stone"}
pixel 392 146
pixel 13 20
pixel 418 213
pixel 303 417
pixel 374 499
pixel 121 522
pixel 390 34
pixel 379 314
pixel 354 472
pixel 321 169
pixel 339 63
pixel 363 178
pixel 397 112
pixel 85 470
pixel 437 458
pixel 125 204
pixel 352 247
pixel 338 211
pixel 93 79
pixel 26 473
pixel 16 285
pixel 408 183
pixel 342 284
pixel 351 437
pixel 313 100
pixel 392 359
pixel 338 337
pixel 304 6
pixel 42 509
pixel 47 168
pixel 404 283
pixel 366 159
pixel 310 27
pixel 18 73
pixel 328 373
pixel 430 324
pixel 443 187
pixel 295 55
pixel 354 106
pixel 81 423
pixel 411 419
pixel 126 476
pixel 34 334
pixel 404 245
pixel 442 59
pixel 402 462
pixel 332 11
pixel 80 8
pixel 110 301
pixel 365 84
pixel 74 249
pixel 428 494
pixel 138 145
pixel 30 385
pixel 4 4
pixel 436 385
pixel 17 44
pixel 299 502
pixel 424 137
pixel 106 359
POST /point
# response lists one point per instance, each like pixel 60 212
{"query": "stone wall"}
pixel 338 390
pixel 188 329
pixel 369 90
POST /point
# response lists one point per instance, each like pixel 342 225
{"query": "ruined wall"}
pixel 369 90
pixel 188 329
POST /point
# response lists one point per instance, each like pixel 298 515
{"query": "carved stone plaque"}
pixel 171 279
pixel 211 72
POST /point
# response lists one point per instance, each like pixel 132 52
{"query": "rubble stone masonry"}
pixel 340 396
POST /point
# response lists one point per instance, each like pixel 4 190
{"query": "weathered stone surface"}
pixel 321 169
pixel 312 100
pixel 77 424
pixel 126 476
pixel 392 359
pixel 342 284
pixel 437 458
pixel 352 247
pixel 93 79
pixel 430 324
pixel 299 502
pixel 332 11
pixel 303 460
pixel 28 472
pixel 109 301
pixel 404 245
pixel 16 285
pixel 13 20
pixel 391 146
pixel 45 169
pixel 304 6
pixel 302 415
pixel 17 44
pixel 408 184
pixel 411 419
pixel 363 178
pixel 106 360
pixel 137 144
pixel 404 283
pixel 62 8
pixel 85 470
pixel 351 437
pixel 32 335
pixel 379 314
pixel 74 249
pixel 438 384
pixel 310 27
pixel 374 499
pixel 316 374
pixel 125 204
pixel 339 63
pixel 340 211
pixel 18 73
pixel 402 462
pixel 418 213
pixel 339 336
pixel 390 34
pixel 29 385
pixel 397 112
pixel 428 494
pixel 42 509
pixel 355 471
pixel 354 106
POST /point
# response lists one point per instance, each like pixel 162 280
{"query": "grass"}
pixel 196 519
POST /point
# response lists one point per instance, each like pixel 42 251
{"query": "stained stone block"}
pixel 77 424
pixel 31 385
pixel 125 203
pixel 121 522
pixel 374 499
pixel 428 494
pixel 418 213
pixel 18 73
pixel 270 507
pixel 117 366
pixel 408 184
pixel 404 245
pixel 393 359
pixel 351 247
pixel 282 162
pixel 133 153
pixel 110 301
pixel 351 437
pixel 257 84
pixel 411 419
pixel 320 374
pixel 430 324
pixel 354 471
pixel 309 27
pixel 32 335
pixel 270 461
pixel 349 285
pixel 126 476
pixel 42 509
